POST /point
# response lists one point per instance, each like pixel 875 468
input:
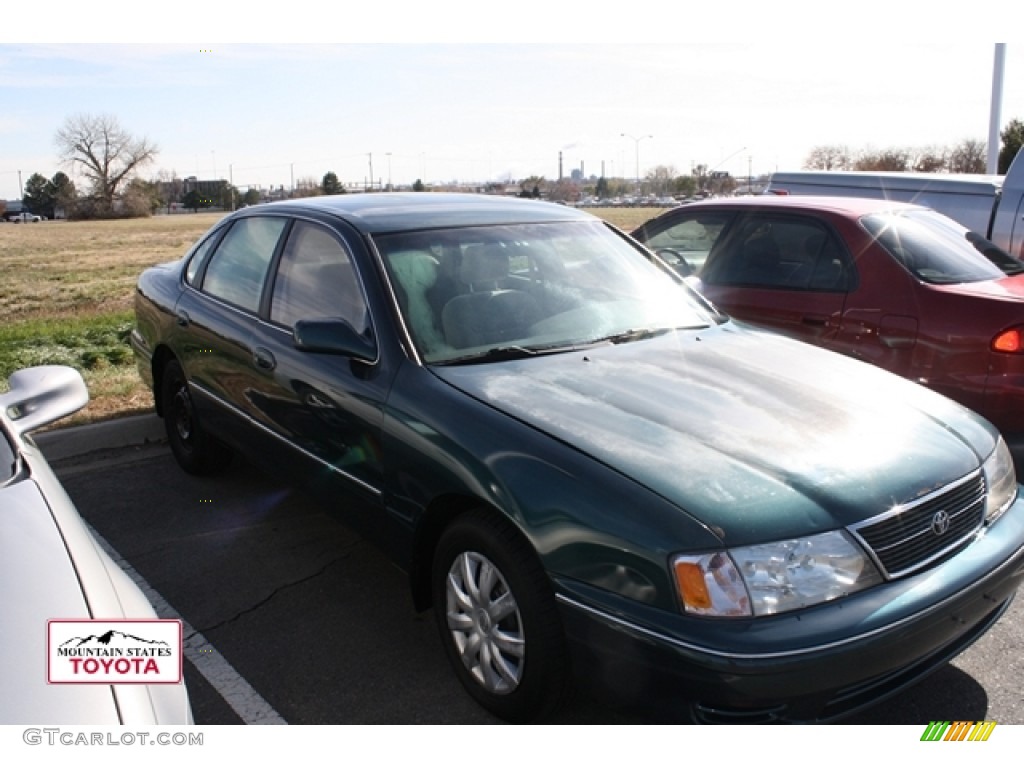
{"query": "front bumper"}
pixel 817 665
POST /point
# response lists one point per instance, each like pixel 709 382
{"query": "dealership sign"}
pixel 114 651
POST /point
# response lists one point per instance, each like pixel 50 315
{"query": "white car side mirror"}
pixel 41 395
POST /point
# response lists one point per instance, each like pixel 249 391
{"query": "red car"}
pixel 894 284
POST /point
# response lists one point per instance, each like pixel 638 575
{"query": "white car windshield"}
pixel 493 292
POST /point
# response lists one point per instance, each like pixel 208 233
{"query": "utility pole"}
pixel 992 166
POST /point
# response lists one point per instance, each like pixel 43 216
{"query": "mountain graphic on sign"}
pixel 110 639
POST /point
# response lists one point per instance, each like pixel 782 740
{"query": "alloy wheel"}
pixel 485 624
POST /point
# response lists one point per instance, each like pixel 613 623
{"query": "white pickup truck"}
pixel 18 218
pixel 992 206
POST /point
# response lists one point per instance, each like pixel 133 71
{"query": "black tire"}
pixel 195 451
pixel 515 662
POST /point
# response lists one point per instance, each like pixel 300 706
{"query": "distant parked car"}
pixel 51 567
pixel 893 284
pixel 580 464
pixel 19 218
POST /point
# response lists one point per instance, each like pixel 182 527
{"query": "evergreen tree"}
pixel 39 196
pixel 1013 139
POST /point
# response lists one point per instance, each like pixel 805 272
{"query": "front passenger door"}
pixel 327 407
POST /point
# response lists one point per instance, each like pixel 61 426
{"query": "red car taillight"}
pixel 1010 340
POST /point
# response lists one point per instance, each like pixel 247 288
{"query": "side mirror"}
pixel 333 336
pixel 41 395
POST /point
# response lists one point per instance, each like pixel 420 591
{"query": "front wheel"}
pixel 195 451
pixel 498 620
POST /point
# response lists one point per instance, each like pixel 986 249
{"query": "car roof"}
pixel 855 206
pixel 379 212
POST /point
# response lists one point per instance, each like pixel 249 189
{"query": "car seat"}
pixel 489 313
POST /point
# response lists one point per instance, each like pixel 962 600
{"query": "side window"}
pixel 316 279
pixel 198 256
pixel 690 239
pixel 781 253
pixel 238 268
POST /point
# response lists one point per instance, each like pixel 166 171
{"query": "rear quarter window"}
pixel 198 257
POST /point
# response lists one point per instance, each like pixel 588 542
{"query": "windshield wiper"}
pixel 518 352
pixel 639 334
pixel 509 352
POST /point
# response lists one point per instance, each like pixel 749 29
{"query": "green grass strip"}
pixel 87 343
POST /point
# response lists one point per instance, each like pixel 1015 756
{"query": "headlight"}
pixel 772 578
pixel 1000 482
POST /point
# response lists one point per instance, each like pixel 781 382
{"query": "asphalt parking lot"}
pixel 295 619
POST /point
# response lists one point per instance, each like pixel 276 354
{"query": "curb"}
pixel 71 442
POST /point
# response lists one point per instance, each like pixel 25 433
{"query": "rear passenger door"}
pixel 217 313
pixel 785 272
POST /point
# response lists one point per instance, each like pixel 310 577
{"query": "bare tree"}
pixel 661 179
pixel 892 159
pixel 307 186
pixel 832 157
pixel 969 156
pixel 930 160
pixel 107 155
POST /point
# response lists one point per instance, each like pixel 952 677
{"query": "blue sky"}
pixel 484 106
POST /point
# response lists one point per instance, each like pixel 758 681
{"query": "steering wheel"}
pixel 676 260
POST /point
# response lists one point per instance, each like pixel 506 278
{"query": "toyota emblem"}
pixel 940 522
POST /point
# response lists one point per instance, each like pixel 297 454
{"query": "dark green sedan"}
pixel 587 471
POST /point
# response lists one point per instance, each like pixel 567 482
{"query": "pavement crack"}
pixel 277 591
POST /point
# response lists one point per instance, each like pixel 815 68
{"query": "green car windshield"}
pixel 472 294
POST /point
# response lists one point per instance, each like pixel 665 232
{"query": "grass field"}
pixel 66 297
pixel 67 290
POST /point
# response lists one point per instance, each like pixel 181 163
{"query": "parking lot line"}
pixel 252 708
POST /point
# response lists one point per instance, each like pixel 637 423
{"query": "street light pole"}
pixel 637 140
pixel 992 161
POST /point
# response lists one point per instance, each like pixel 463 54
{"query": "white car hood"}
pixel 39 583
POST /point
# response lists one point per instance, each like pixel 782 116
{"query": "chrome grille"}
pixel 910 536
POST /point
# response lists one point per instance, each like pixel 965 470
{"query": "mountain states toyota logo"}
pixel 114 651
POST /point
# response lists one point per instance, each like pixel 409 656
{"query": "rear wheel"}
pixel 195 451
pixel 498 620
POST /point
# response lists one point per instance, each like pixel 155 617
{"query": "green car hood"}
pixel 758 436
